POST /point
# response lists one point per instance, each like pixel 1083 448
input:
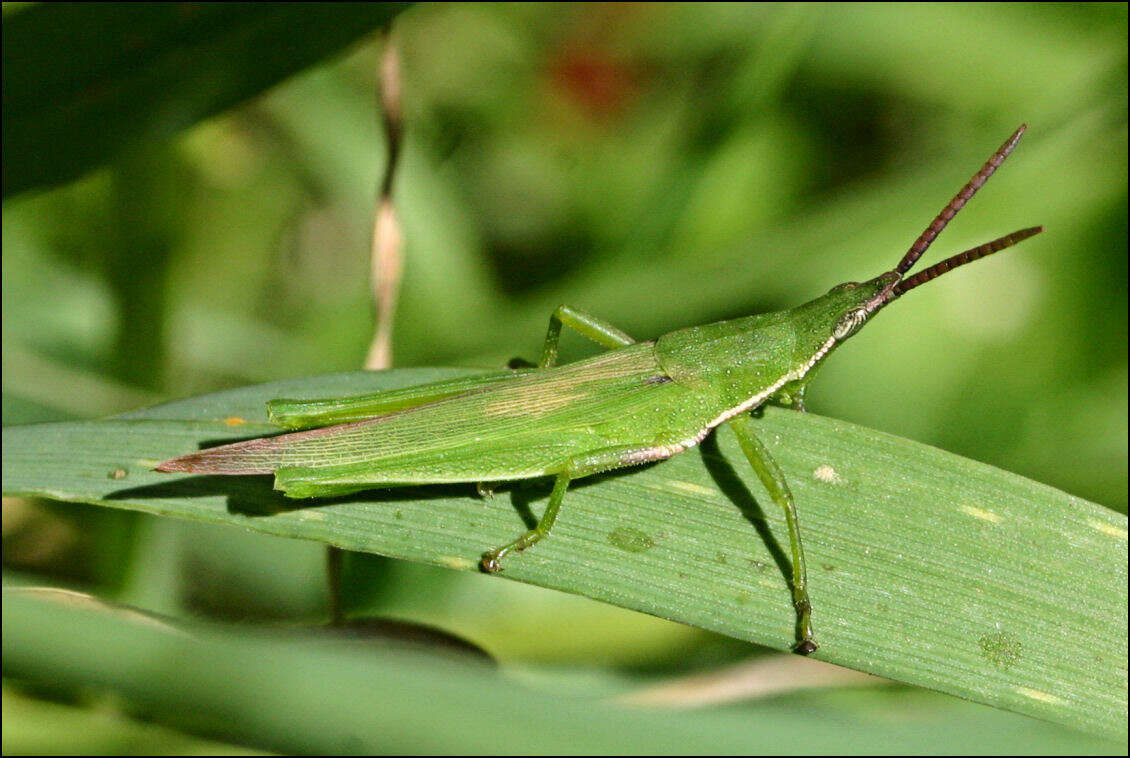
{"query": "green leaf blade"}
pixel 924 567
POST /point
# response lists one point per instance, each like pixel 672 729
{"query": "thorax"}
pixel 731 362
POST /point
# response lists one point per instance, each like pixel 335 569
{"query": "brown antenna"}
pixel 960 199
pixel 965 257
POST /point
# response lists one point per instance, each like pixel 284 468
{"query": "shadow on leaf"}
pixel 255 496
pixel 727 480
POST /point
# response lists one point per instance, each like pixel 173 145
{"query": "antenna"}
pixel 959 200
pixel 962 258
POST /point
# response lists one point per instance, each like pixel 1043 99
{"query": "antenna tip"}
pixel 1023 234
pixel 1011 143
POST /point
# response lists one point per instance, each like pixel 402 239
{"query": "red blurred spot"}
pixel 592 79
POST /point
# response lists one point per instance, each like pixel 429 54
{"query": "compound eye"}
pixel 849 323
pixel 845 286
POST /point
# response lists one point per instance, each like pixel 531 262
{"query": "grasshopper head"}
pixel 840 313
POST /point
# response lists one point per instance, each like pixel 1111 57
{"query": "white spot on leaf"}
pixel 456 562
pixel 826 474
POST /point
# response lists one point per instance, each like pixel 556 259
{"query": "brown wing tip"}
pixel 209 462
pixel 180 463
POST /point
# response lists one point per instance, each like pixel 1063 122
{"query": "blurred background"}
pixel 658 165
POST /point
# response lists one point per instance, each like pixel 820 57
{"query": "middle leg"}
pixel 576 467
pixel 774 481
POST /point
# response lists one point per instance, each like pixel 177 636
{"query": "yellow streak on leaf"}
pixel 1043 697
pixel 1108 529
pixel 981 513
pixel 234 421
pixel 691 487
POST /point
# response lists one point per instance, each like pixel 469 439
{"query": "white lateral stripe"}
pixel 660 452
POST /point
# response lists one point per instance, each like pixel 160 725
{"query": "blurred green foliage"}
pixel 658 165
pixel 84 84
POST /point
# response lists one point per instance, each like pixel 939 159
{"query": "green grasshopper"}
pixel 635 403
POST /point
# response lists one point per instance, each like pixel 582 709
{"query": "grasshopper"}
pixel 635 403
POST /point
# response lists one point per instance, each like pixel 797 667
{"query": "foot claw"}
pixel 490 563
pixel 804 647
